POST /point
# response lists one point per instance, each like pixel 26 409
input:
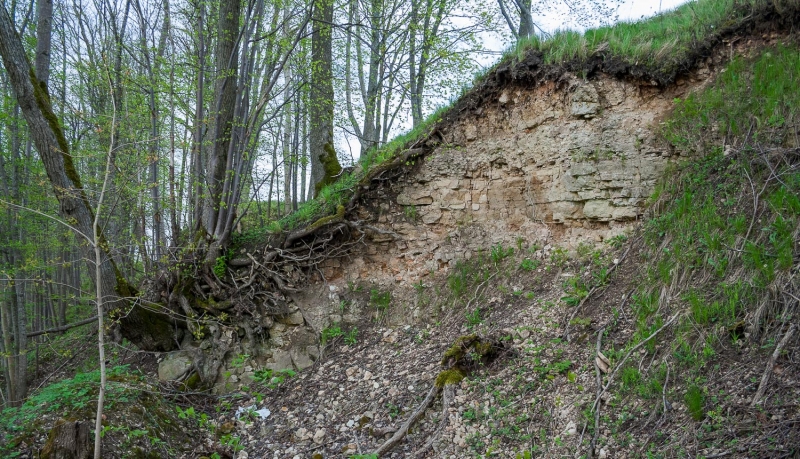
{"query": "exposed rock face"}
pixel 560 163
pixel 548 156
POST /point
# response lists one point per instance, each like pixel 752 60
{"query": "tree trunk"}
pixel 525 19
pixel 324 162
pixel 68 440
pixel 197 144
pixel 9 348
pixel 44 29
pixel 373 86
pixel 21 338
pixel 287 140
pixel 227 64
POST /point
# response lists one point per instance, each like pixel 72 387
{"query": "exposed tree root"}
pixel 447 398
pixel 602 389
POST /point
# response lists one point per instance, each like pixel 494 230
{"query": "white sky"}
pixel 635 9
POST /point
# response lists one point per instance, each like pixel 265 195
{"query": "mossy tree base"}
pixel 331 167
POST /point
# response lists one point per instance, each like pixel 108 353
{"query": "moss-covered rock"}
pixel 466 354
pixel 449 377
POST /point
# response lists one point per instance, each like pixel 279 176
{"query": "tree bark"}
pixel 525 19
pixel 324 162
pixel 44 32
pixel 227 64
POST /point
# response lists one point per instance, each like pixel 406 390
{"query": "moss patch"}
pixel 339 215
pixel 449 377
pixel 467 353
pixel 331 166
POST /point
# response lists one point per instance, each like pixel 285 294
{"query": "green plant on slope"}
pixel 380 299
pixel 75 397
pixel 499 253
pixel 695 402
pixel 529 265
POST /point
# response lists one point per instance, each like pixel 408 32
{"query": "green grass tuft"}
pixel 695 402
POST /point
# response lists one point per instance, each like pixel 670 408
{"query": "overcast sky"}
pixel 635 9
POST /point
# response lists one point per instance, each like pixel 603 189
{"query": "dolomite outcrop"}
pixel 561 163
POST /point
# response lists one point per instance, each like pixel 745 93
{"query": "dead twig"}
pixel 599 379
pixel 664 390
pixel 762 387
pixel 447 397
pixel 591 292
pixel 624 359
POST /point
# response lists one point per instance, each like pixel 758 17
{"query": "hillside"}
pixel 593 253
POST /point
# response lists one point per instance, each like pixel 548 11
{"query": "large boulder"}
pixel 174 366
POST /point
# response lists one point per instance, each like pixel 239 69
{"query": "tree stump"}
pixel 68 440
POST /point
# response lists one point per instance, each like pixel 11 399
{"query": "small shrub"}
pixel 584 250
pixel 458 280
pixel 617 240
pixel 351 337
pixel 529 265
pixel 273 378
pixel 630 377
pixel 499 253
pixel 380 299
pixel 220 266
pixel 576 290
pixel 331 332
pixel 474 318
pixel 581 321
pixel 559 257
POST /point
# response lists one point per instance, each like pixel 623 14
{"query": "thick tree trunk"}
pixel 199 114
pixel 371 132
pixel 68 440
pixel 227 64
pixel 44 32
pixel 525 19
pixel 324 162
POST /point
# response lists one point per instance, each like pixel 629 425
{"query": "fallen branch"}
pixel 466 354
pixel 403 430
pixel 762 387
pixel 447 397
pixel 594 289
pixel 624 359
pixel 63 327
pixel 599 379
pixel 664 390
